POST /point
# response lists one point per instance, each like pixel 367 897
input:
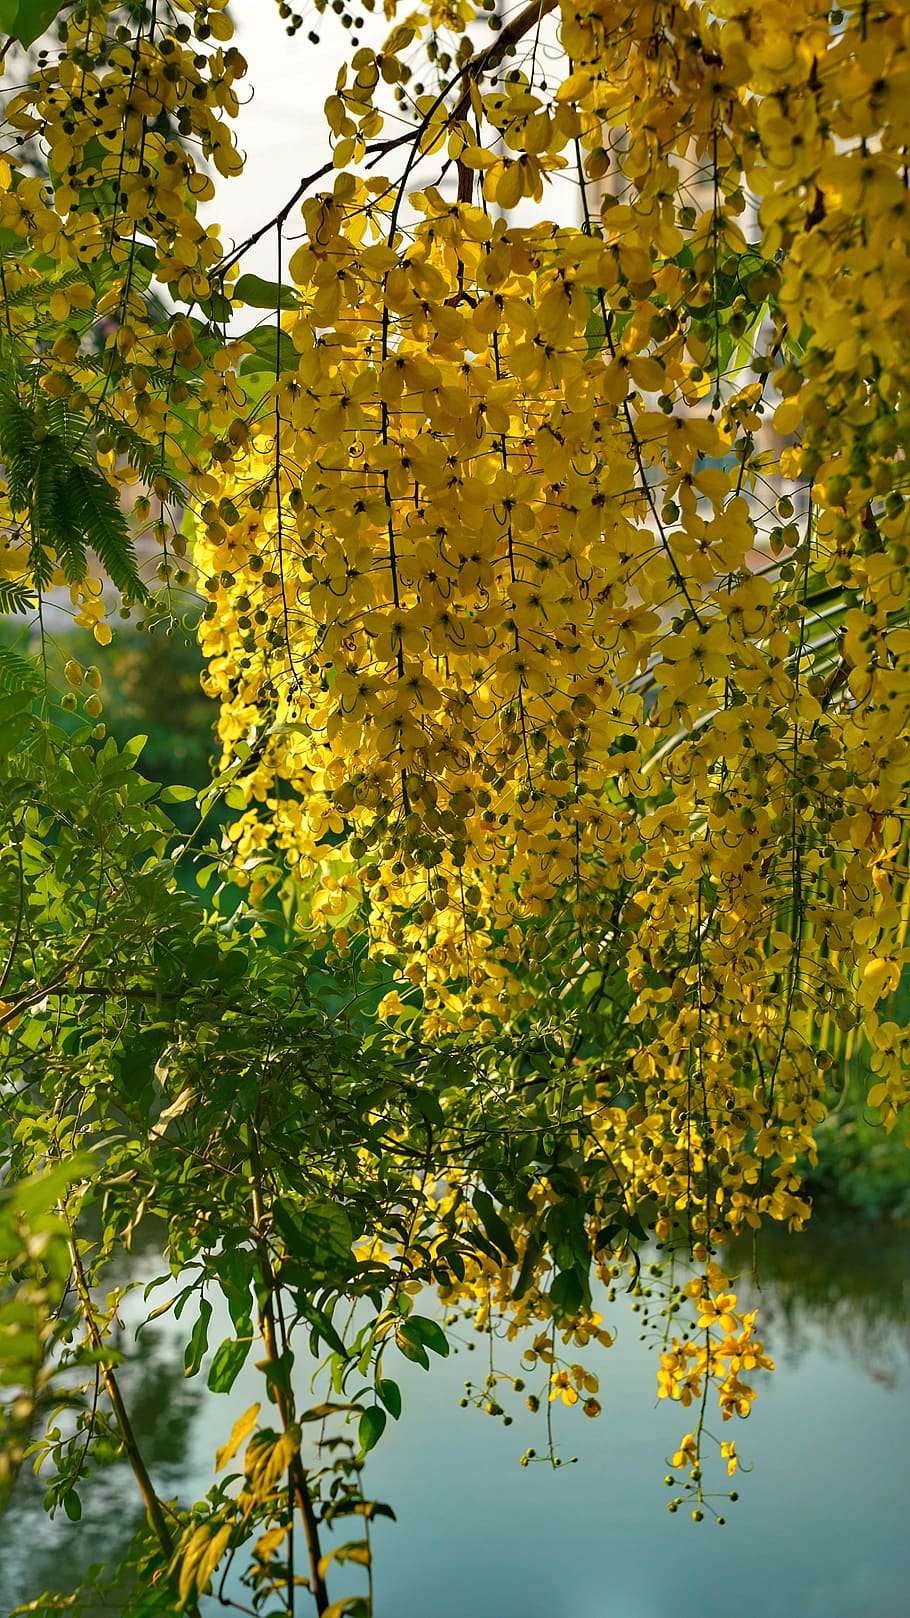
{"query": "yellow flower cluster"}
pixel 119 118
pixel 726 1347
pixel 123 129
pixel 519 588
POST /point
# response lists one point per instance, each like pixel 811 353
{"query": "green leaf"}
pixel 411 1346
pixel 321 1325
pixel 607 1233
pixel 72 506
pixel 321 1230
pixel 271 349
pixel 371 1427
pixel 234 1268
pixel 18 673
pixel 277 1373
pixel 390 1394
pixel 327 1409
pixel 40 1193
pixel 216 307
pixel 18 1347
pixel 16 596
pixel 12 731
pixel 569 1294
pixel 32 18
pixel 230 1358
pixel 567 1235
pixel 534 1247
pixel 72 1505
pixel 494 1225
pixel 597 330
pixel 259 294
pixel 427 1104
pixel 199 1339
pixel 420 1331
pixel 92 507
pixel 9 10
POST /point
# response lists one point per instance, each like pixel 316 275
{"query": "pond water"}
pixel 819 1530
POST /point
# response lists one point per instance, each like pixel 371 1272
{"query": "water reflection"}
pixel 478 1534
pixel 40 1556
pixel 852 1285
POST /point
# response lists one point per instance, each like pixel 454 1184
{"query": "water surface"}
pixel 819 1530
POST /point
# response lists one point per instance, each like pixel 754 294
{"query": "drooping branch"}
pixel 473 69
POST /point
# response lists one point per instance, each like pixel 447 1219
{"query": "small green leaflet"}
pixel 416 1334
pixel 390 1394
pixel 371 1427
pixel 27 20
pixel 228 1362
pixel 269 345
pixel 16 596
pixel 259 294
pixel 199 1339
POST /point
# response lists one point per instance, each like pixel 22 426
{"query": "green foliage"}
pixel 259 294
pixel 152 688
pixel 161 1063
pixel 27 20
pixel 70 508
pixel 16 597
pixel 17 673
pixel 861 1173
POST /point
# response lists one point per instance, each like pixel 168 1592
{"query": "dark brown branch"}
pixel 297 1477
pixel 491 56
pixel 112 1389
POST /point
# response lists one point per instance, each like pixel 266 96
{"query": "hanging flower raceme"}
pixel 519 626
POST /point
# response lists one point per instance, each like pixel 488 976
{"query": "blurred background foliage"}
pixel 150 687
